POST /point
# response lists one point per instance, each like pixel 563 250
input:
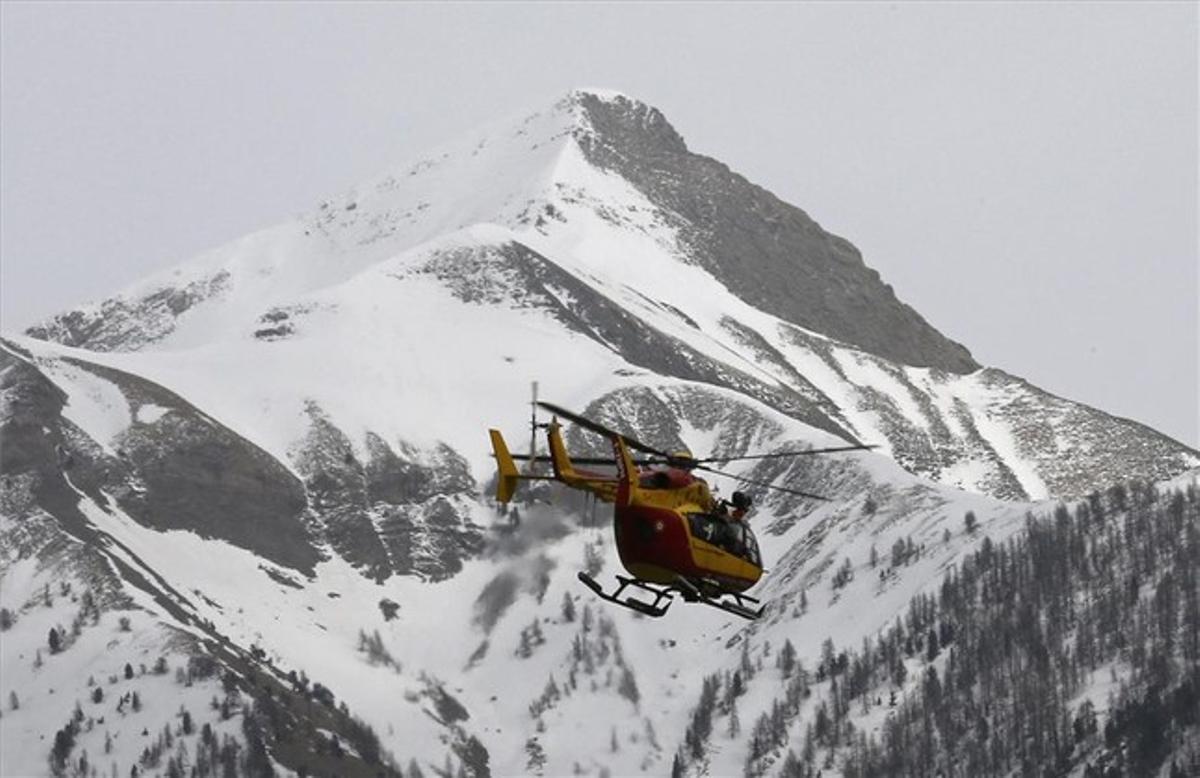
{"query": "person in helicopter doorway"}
pixel 739 504
pixel 731 514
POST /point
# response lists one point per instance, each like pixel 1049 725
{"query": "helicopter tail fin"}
pixel 508 476
pixel 627 485
pixel 563 469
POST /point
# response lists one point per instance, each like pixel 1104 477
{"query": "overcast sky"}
pixel 1024 175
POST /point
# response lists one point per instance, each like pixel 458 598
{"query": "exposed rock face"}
pixel 398 512
pixel 769 253
pixel 180 470
pixel 199 475
pixel 656 418
pixel 33 453
pixel 1080 449
pixel 124 324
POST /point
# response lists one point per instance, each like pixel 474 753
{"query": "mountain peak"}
pixel 621 120
pixel 613 160
pixel 600 93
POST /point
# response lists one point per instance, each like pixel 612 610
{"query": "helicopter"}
pixel 673 536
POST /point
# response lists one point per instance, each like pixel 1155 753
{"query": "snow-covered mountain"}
pixel 267 467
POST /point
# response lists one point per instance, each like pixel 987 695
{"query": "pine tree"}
pixel 787 659
pixel 745 666
pixel 792 768
pixel 735 723
pixel 524 646
pixel 627 687
pixel 737 686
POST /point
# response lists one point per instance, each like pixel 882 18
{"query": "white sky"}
pixel 1024 175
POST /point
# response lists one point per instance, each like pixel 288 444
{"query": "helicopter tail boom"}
pixel 627 473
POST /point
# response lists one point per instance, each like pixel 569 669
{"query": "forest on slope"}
pixel 1071 648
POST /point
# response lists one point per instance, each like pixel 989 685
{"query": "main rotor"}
pixel 683 460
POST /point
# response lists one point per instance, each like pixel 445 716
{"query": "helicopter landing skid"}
pixel 653 609
pixel 730 602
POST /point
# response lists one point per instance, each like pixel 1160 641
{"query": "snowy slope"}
pixel 471 641
pixel 469 644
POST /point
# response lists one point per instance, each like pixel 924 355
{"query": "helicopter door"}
pixel 739 540
pixel 750 544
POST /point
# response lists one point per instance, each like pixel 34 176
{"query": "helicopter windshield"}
pixel 731 535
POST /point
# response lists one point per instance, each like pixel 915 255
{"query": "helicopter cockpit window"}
pixel 706 527
pixel 733 536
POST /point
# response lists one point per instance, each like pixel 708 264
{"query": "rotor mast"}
pixel 531 468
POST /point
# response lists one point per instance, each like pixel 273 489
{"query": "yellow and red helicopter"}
pixel 673 536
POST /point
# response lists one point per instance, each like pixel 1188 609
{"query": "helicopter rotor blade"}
pixel 751 481
pixel 578 460
pixel 779 454
pixel 598 428
pixel 686 463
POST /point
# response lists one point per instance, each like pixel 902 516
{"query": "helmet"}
pixel 681 459
pixel 741 500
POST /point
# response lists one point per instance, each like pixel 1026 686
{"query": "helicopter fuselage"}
pixel 661 545
pixel 667 527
